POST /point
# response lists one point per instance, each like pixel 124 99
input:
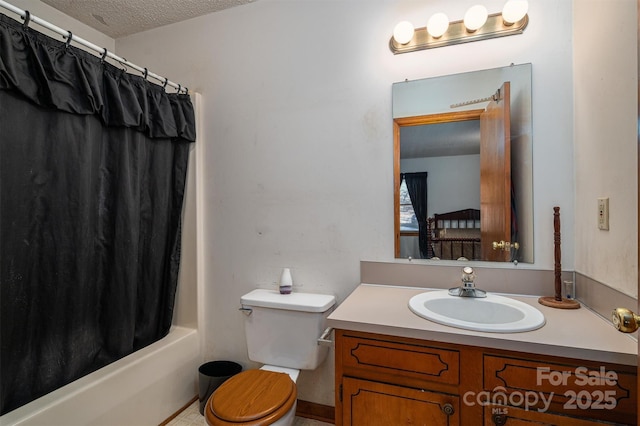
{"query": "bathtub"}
pixel 144 388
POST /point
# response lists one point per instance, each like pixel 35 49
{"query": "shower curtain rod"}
pixel 25 15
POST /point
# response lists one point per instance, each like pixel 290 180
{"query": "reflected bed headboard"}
pixel 456 234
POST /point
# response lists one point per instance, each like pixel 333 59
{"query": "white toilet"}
pixel 282 332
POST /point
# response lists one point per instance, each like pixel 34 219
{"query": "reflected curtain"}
pixel 93 164
pixel 417 188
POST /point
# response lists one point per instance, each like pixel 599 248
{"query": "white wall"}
pixel 453 182
pixel 606 152
pixel 297 111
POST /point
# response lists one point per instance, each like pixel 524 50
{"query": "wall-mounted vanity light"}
pixel 476 25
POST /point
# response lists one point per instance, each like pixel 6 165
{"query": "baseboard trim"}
pixel 174 415
pixel 311 410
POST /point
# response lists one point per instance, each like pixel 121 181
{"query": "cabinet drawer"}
pixel 583 389
pixel 401 359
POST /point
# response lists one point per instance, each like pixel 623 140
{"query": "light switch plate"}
pixel 603 213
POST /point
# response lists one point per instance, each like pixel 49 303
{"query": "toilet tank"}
pixel 283 329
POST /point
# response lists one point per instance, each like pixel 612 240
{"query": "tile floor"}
pixel 191 417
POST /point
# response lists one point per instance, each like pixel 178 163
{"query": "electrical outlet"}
pixel 603 214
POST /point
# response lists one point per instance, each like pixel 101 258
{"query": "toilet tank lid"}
pixel 306 302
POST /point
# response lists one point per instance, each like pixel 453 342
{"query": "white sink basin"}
pixel 497 314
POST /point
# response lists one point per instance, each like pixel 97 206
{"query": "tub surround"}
pixel 575 333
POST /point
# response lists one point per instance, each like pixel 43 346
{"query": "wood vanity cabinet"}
pixel 392 381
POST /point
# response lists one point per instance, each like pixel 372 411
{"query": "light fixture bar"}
pixel 458 33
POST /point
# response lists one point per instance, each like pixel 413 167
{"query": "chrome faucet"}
pixel 468 288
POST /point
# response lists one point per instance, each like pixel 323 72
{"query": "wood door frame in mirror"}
pixel 418 120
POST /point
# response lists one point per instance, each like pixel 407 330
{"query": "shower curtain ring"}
pixel 146 72
pixel 124 65
pixel 166 80
pixel 27 19
pixel 69 38
pixel 179 88
pixel 104 54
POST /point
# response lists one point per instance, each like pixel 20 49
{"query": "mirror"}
pixel 463 148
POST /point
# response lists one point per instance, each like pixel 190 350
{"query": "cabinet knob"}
pixel 499 419
pixel 448 409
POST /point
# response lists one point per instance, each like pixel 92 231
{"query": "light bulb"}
pixel 403 32
pixel 437 25
pixel 475 17
pixel 514 10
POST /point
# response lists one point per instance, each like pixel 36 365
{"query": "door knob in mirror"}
pixel 505 245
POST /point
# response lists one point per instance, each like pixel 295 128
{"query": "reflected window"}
pixel 408 220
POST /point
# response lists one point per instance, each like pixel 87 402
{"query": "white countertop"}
pixel 573 333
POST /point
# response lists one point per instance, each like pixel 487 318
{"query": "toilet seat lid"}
pixel 252 395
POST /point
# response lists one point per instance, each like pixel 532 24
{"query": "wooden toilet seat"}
pixel 251 398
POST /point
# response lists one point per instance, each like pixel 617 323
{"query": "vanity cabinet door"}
pixel 379 404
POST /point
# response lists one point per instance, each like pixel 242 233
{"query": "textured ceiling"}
pixel 119 18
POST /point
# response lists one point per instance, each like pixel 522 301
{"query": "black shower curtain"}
pixel 92 174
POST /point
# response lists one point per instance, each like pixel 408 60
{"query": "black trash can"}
pixel 211 375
